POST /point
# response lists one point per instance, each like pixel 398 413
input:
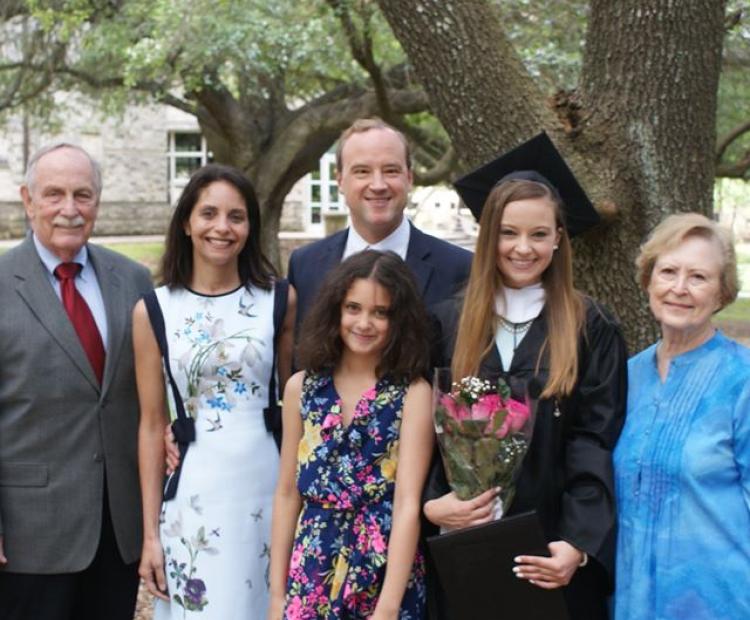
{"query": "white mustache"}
pixel 68 222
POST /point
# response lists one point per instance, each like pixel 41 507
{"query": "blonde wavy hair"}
pixel 564 308
pixel 674 230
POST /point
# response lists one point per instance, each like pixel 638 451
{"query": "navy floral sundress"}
pixel 346 476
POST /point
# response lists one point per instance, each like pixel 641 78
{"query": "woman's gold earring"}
pixel 555 247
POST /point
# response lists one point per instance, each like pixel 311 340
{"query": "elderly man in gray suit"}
pixel 70 517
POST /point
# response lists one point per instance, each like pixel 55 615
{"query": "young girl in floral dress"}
pixel 357 444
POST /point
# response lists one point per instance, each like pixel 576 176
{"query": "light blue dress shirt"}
pixel 85 281
pixel 682 472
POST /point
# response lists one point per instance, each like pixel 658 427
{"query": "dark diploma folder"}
pixel 475 571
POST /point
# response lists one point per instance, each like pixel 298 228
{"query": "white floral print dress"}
pixel 216 531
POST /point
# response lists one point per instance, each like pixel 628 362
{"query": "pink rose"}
pixel 453 409
pixel 504 428
pixel 370 394
pixel 486 407
pixel 518 414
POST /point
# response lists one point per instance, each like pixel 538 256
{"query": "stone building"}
pixel 147 156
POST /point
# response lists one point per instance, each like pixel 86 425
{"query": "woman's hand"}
pixel 451 513
pixel 553 572
pixel 275 607
pixel 151 568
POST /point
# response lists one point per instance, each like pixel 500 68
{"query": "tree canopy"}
pixel 634 92
pixel 272 85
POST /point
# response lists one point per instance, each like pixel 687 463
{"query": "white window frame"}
pixel 326 181
pixel 176 184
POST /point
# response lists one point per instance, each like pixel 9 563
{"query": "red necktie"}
pixel 81 317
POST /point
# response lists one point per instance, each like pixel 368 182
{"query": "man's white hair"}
pixel 96 171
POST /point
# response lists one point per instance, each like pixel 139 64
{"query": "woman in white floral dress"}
pixel 206 552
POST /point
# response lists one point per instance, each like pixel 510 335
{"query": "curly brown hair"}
pixel 406 353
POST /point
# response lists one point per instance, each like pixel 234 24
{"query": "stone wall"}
pixel 132 151
pixel 12 220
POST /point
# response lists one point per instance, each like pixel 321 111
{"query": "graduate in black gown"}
pixel 520 318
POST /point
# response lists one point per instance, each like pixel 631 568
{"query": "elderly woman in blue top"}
pixel 682 465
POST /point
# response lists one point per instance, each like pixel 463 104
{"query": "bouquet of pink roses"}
pixel 483 435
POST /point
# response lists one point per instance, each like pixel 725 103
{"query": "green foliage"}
pixel 254 49
pixel 279 55
pixel 734 85
pixel 549 37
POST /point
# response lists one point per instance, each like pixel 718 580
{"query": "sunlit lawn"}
pixel 147 253
pixel 738 311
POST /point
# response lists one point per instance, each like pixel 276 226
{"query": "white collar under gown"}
pixel 516 309
pixel 216 531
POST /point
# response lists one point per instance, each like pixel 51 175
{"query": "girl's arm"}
pixel 286 339
pixel 414 453
pixel 150 380
pixel 287 501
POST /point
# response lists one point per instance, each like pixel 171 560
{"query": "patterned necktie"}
pixel 81 317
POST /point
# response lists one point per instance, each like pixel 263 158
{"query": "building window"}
pixel 186 152
pixel 323 196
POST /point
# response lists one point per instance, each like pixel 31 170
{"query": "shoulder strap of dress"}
pixel 272 413
pixel 183 427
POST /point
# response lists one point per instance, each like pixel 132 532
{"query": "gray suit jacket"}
pixel 60 433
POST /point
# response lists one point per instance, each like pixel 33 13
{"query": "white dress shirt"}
pixel 85 281
pixel 397 241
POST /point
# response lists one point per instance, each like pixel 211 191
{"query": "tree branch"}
pixel 13 8
pixel 362 52
pixel 736 170
pixel 727 140
pixel 442 170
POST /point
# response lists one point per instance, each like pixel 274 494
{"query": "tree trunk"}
pixel 639 135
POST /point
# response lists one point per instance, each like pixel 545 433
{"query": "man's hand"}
pixel 172 450
pixel 151 569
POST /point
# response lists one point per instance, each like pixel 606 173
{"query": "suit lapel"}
pixel 34 287
pixel 110 285
pixel 416 256
pixel 334 250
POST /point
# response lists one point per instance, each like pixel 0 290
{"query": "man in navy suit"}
pixel 374 174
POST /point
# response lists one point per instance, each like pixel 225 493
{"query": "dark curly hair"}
pixel 177 262
pixel 406 353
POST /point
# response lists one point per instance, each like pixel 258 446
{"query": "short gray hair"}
pixel 96 171
pixel 674 230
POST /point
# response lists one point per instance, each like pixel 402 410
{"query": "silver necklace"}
pixel 515 329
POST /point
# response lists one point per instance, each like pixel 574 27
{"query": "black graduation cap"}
pixel 536 160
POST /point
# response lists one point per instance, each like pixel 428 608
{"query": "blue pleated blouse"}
pixel 682 473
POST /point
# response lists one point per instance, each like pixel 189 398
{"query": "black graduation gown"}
pixel 567 474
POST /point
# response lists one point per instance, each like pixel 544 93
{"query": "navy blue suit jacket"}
pixel 440 268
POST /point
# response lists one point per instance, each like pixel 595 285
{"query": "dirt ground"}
pixel 143 609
